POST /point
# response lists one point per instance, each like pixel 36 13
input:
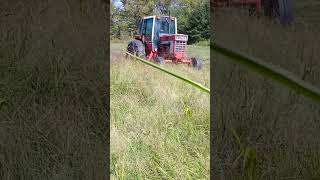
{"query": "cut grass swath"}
pixel 268 70
pixel 195 84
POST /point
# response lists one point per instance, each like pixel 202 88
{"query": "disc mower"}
pixel 158 41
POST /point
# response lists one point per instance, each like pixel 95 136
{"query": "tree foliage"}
pixel 198 25
pixel 192 15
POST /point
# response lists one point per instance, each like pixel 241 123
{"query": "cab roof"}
pixel 147 17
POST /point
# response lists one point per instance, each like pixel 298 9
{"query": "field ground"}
pixel 280 126
pixel 159 125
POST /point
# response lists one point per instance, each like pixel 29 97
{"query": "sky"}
pixel 117 3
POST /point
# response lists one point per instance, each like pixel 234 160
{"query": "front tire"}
pixel 285 11
pixel 252 11
pixel 197 63
pixel 159 60
pixel 281 9
pixel 271 8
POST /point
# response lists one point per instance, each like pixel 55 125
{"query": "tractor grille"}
pixel 180 46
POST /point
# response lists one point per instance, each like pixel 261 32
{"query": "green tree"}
pixel 134 10
pixel 115 21
pixel 182 9
pixel 198 25
pixel 163 6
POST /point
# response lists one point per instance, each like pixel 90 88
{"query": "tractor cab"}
pixel 161 38
pixel 152 27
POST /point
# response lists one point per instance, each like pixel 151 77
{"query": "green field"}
pixel 159 125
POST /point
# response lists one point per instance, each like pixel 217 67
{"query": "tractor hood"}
pixel 172 46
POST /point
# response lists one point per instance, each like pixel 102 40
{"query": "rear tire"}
pixel 197 63
pixel 137 48
pixel 159 60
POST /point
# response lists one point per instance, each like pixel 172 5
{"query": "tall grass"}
pixel 53 90
pixel 159 125
pixel 281 127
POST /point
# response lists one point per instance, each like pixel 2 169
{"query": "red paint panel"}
pixel 149 48
pixel 167 37
pixel 181 56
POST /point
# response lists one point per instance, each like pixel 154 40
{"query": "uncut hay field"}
pixel 159 125
pixel 281 126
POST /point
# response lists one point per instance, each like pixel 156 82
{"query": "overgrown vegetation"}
pixel 159 125
pixel 53 90
pixel 279 127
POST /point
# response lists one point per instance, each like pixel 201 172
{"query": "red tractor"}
pixel 159 41
pixel 281 9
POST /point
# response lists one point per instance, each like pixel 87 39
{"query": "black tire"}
pixel 271 8
pixel 197 63
pixel 252 11
pixel 159 60
pixel 285 12
pixel 281 9
pixel 137 48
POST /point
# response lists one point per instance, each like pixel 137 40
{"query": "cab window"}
pixel 167 26
pixel 148 27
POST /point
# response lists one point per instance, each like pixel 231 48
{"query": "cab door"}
pixel 147 30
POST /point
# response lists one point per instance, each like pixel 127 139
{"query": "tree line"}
pixel 192 15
